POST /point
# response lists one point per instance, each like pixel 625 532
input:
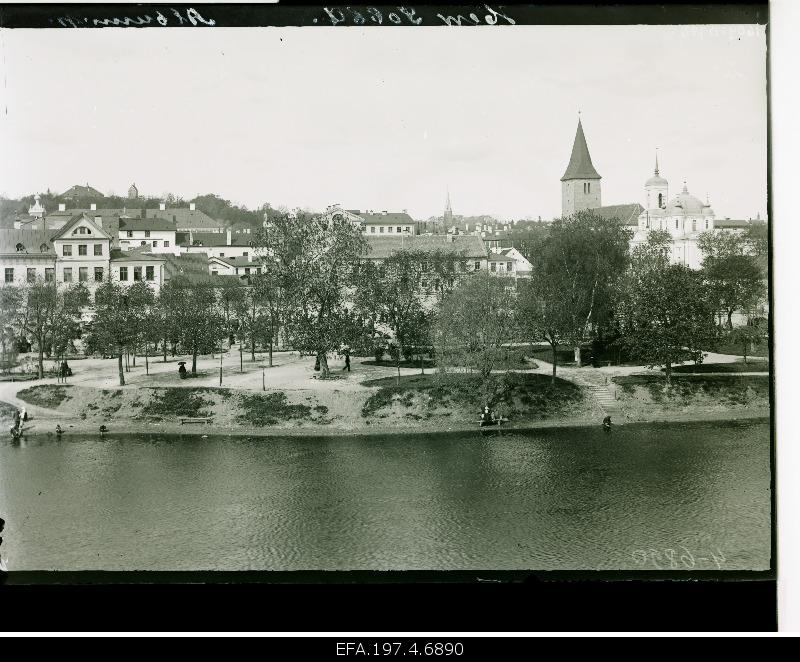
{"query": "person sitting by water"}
pixel 59 431
pixel 182 371
pixel 607 423
pixel 486 417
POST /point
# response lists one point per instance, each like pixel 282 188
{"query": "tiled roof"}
pixel 153 224
pixel 467 245
pixel 32 240
pixel 62 231
pixel 85 191
pixel 193 266
pixel 627 214
pixel 580 162
pixel 136 256
pixel 185 218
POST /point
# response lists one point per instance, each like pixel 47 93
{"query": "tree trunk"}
pixel 668 372
pixel 121 371
pixel 270 351
pixel 41 361
pixel 422 363
pixel 730 319
pixel 146 360
pixel 253 348
pixel 323 365
pixel 134 357
pixel 165 349
pixel 241 359
pixel 578 363
pixel 555 361
pixel 744 352
pixel 194 361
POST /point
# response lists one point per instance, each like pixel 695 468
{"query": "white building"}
pixel 154 234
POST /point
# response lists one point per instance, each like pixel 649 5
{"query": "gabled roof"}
pixel 580 163
pixel 235 261
pixel 469 246
pixel 63 232
pixel 85 191
pixel 32 240
pixel 627 214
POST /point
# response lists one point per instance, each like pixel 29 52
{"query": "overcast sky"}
pixel 387 118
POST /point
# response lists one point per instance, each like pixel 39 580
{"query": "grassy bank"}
pixel 518 396
pixel 643 397
pixel 756 365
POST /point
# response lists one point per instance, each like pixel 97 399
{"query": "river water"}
pixel 568 498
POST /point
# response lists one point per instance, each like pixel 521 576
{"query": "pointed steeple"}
pixel 656 170
pixel 580 163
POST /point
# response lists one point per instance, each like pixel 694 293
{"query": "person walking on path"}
pixel 346 361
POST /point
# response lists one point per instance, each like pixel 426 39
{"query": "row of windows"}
pixel 83 274
pixel 509 266
pixel 149 273
pixel 390 229
pixel 677 224
pixel 147 243
pixel 82 249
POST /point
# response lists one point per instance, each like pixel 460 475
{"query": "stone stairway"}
pixel 604 397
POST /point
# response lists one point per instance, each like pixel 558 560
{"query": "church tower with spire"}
pixel 580 185
pixel 448 213
pixel 656 190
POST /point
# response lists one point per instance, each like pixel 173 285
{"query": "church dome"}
pixel 685 203
pixel 656 180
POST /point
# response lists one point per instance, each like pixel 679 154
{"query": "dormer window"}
pixel 43 248
pixel 20 248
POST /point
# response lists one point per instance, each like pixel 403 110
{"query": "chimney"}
pixel 162 206
pixel 228 237
pixel 191 238
pixel 192 206
pixel 93 206
pixel 99 220
pixel 62 206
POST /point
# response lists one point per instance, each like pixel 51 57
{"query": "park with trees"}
pixel 491 339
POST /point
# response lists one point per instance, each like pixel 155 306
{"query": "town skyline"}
pixel 268 115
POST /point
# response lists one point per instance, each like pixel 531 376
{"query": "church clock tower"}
pixel 580 185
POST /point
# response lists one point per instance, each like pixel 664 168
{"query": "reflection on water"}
pixel 550 499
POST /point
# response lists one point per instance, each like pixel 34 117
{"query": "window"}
pixel 372 229
pixel 147 233
pixel 98 249
pixel 258 270
pixel 143 243
pixel 82 249
pixel 98 274
pixel 67 250
pixel 408 229
pixel 31 275
pixel 49 274
pixel 150 273
pixel 382 228
pixel 137 273
pixel 166 244
pixel 245 254
pixel 130 233
pixel 477 265
pixel 588 187
pixel 123 273
pixel 706 224
pixel 67 274
pixel 509 266
pixel 155 244
pixel 83 274
pixel 390 228
pixel 660 200
pixel 9 275
pixel 221 254
pixel 694 225
pixel 399 229
pixel 247 270
pixel 214 272
pixel 493 266
pixel 676 223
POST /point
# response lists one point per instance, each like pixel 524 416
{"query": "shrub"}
pixel 175 402
pixel 46 395
pixel 267 409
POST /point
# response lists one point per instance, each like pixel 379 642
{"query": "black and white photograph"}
pixel 477 294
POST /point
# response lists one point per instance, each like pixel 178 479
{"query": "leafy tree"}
pixel 397 291
pixel 583 257
pixel 10 305
pixel 198 323
pixel 748 336
pixel 668 317
pixel 231 295
pixel 474 324
pixel 52 315
pixel 736 281
pixel 314 260
pixel 112 320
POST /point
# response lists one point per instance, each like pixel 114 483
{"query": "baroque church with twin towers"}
pixel 684 216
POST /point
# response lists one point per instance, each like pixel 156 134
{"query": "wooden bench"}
pixel 187 419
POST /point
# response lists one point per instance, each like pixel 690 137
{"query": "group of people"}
pixel 489 417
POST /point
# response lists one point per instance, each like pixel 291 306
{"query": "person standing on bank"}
pixel 347 361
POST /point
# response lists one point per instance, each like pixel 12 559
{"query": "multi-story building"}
pixel 155 234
